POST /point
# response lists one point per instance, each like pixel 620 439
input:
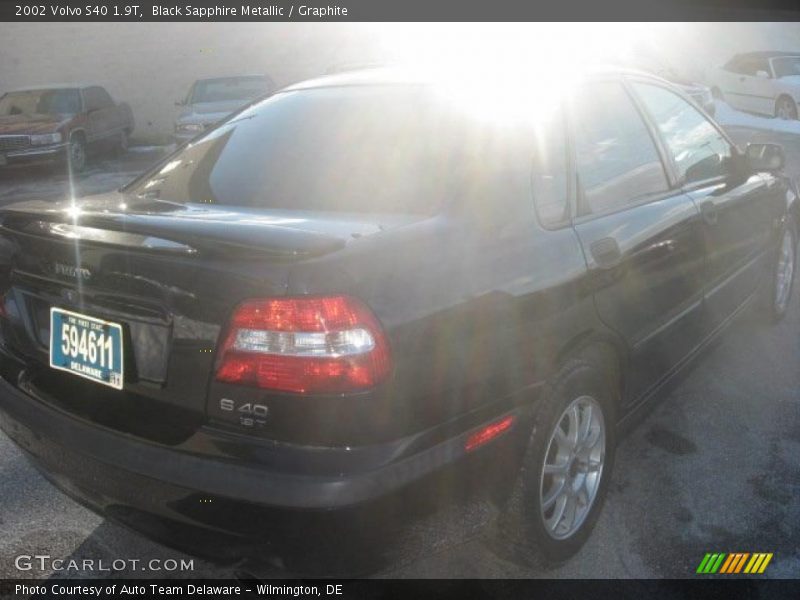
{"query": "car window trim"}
pixel 667 160
pixel 644 200
pixel 571 209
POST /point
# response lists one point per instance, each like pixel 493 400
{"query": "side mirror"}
pixel 762 74
pixel 764 157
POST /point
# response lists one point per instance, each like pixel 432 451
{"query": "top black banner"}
pixel 397 10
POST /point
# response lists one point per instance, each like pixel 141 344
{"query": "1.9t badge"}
pixel 250 414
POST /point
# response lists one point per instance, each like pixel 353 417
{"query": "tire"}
pixel 785 108
pixel 77 154
pixel 561 490
pixel 782 277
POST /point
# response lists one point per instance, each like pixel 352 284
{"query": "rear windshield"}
pixel 358 149
pixel 229 89
pixel 41 102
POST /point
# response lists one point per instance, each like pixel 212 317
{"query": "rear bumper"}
pixel 117 474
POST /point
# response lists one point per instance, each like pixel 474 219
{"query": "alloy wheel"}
pixel 573 467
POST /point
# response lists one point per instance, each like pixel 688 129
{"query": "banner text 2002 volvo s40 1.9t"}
pixel 373 283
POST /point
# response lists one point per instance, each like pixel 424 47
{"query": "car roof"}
pixel 243 76
pixel 408 76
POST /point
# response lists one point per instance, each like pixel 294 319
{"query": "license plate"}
pixel 87 347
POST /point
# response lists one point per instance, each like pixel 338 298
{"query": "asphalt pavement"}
pixel 715 467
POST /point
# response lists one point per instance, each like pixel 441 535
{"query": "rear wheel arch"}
pixel 604 350
pixel 580 377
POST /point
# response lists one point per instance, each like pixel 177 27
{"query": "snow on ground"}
pixel 730 117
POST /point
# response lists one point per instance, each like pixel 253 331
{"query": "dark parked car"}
pixel 360 286
pixel 60 122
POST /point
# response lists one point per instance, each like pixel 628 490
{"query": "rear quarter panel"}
pixel 477 317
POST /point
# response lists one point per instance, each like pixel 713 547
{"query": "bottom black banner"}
pixel 388 589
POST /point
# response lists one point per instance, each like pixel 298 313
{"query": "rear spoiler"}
pixel 159 234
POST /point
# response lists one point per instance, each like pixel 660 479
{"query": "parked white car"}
pixel 761 82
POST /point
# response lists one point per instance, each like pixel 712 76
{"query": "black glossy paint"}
pixel 480 304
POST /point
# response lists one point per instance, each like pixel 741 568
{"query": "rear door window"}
pixel 615 156
pixel 698 148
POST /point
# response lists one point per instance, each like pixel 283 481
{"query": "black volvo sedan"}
pixel 360 284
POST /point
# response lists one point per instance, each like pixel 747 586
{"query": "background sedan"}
pixel 211 100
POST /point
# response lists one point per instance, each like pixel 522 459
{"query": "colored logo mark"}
pixel 736 562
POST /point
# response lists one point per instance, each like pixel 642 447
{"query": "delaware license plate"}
pixel 88 347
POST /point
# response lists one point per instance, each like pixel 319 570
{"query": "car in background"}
pixel 61 122
pixel 344 67
pixel 651 61
pixel 767 83
pixel 698 92
pixel 211 100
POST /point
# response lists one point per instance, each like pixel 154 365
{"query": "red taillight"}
pixel 306 345
pixel 488 433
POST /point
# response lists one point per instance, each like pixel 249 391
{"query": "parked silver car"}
pixel 211 100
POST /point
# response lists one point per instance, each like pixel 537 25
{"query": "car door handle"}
pixel 606 253
pixel 709 211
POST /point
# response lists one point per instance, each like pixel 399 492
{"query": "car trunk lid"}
pixel 169 274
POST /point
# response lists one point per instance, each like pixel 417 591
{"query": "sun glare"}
pixel 503 70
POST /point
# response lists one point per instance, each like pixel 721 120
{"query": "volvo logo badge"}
pixel 79 273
